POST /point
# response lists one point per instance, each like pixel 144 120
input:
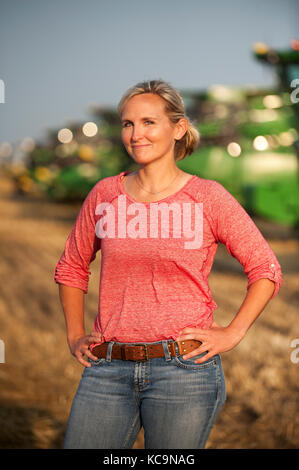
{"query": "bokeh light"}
pixel 272 101
pixel 6 149
pixel 260 48
pixel 234 149
pixel 86 152
pixel 27 145
pixel 260 143
pixel 65 135
pixel 90 129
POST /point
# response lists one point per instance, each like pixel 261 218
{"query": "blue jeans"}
pixel 175 400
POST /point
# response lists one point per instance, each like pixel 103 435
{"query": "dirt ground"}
pixel 39 376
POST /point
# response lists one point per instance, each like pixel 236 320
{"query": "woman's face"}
pixel 147 132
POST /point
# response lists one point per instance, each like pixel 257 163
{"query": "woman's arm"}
pixel 219 339
pixel 81 247
pixel 232 226
pixel 72 301
pixel 257 297
pixel 72 274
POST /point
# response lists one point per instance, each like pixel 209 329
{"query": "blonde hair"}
pixel 174 108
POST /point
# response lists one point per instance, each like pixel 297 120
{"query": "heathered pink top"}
pixel 156 257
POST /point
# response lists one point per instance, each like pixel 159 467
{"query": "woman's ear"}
pixel 181 128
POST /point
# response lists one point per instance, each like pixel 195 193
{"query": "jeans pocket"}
pixel 97 362
pixel 190 364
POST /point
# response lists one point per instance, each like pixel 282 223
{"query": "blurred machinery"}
pixel 249 141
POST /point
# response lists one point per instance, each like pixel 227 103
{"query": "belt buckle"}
pixel 124 350
pixel 146 353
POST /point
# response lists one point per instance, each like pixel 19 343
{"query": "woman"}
pixel 153 359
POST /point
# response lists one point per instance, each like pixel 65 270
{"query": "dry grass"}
pixel 39 376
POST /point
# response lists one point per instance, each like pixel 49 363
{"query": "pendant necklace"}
pixel 156 192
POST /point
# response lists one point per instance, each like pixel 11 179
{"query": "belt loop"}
pixel 166 350
pixel 109 351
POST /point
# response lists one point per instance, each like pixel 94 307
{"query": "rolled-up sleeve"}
pixel 82 244
pixel 243 240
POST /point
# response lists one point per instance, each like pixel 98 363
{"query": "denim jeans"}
pixel 175 400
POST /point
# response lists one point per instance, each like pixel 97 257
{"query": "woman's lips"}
pixel 138 146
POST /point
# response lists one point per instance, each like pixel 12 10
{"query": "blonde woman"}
pixel 153 359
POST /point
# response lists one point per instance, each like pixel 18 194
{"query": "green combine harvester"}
pixel 249 142
pixel 249 139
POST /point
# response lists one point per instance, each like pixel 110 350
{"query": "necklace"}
pixel 155 192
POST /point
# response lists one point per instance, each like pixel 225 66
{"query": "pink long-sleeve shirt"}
pixel 155 268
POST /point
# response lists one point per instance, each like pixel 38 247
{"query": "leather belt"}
pixel 144 351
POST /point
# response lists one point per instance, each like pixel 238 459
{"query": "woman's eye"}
pixel 126 123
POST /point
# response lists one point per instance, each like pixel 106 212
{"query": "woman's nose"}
pixel 136 133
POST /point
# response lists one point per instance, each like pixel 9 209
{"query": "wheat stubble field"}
pixel 39 376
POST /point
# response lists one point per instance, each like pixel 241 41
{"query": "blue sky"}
pixel 59 56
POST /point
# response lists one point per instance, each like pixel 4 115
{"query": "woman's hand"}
pixel 215 340
pixel 79 347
